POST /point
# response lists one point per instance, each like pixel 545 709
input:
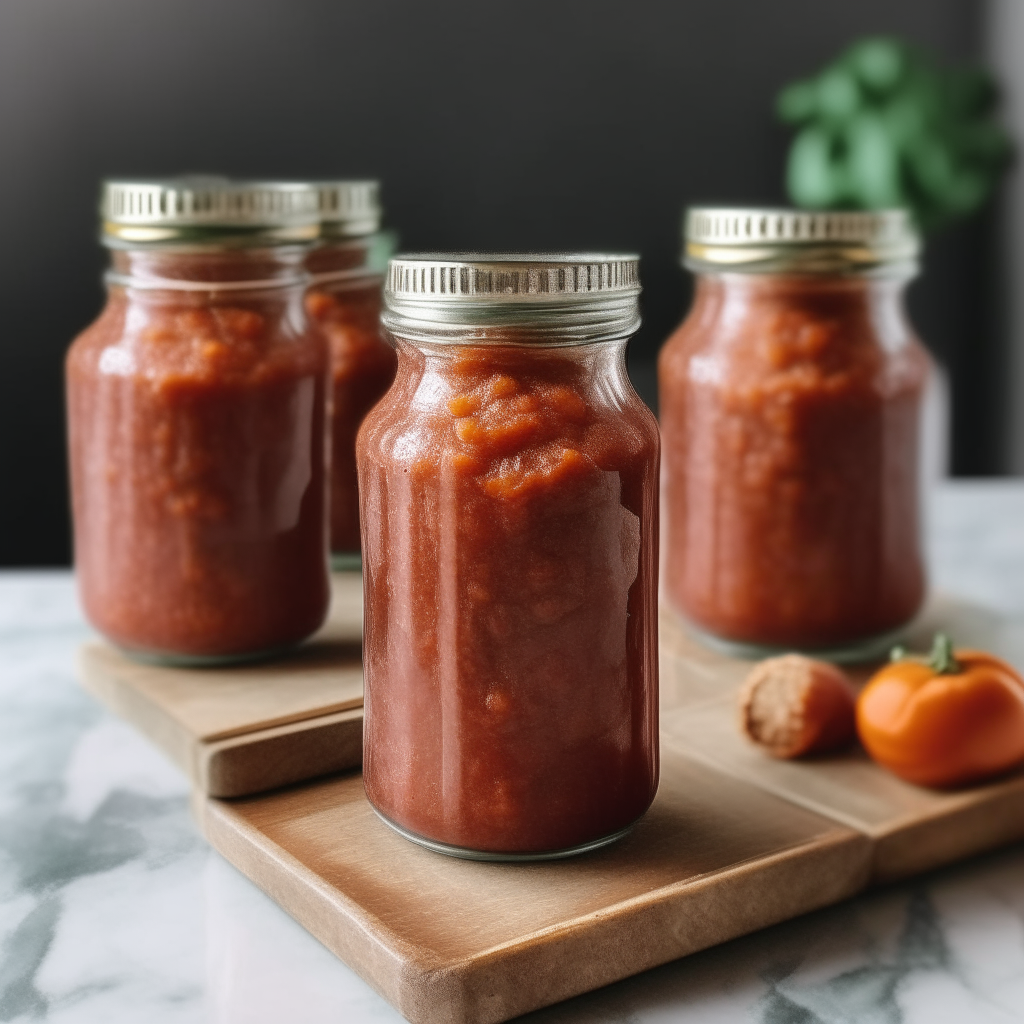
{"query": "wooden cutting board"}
pixel 249 728
pixel 447 940
pixel 912 829
pixel 735 841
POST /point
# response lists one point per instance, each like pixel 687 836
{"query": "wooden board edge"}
pixel 123 700
pixel 280 721
pixel 280 756
pixel 931 843
pixel 644 932
pixel 382 959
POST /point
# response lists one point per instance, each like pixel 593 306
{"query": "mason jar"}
pixel 346 269
pixel 508 486
pixel 197 431
pixel 790 403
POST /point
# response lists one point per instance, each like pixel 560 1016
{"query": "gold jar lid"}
pixel 208 211
pixel 799 241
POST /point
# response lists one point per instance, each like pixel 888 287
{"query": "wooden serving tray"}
pixel 735 841
pixel 446 940
pixel 249 728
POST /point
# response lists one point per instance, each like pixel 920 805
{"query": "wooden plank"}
pixel 912 829
pixel 211 704
pixel 281 756
pixel 455 941
pixel 243 729
pixel 691 674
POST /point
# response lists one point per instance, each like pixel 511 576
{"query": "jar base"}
pixel 858 652
pixel 346 561
pixel 462 853
pixel 166 660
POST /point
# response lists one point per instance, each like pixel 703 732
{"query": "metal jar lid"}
pixel 799 241
pixel 558 298
pixel 208 211
pixel 348 209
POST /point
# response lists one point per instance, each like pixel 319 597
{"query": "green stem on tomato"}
pixel 942 658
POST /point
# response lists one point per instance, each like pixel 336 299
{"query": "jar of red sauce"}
pixel 508 485
pixel 346 273
pixel 790 403
pixel 197 425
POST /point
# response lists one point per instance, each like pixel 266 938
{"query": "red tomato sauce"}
pixel 197 423
pixel 789 411
pixel 362 369
pixel 510 565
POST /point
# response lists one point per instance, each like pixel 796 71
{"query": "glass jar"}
pixel 346 272
pixel 508 485
pixel 790 402
pixel 197 426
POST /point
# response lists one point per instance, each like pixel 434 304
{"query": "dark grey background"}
pixel 534 125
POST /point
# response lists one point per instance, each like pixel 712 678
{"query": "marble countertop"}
pixel 113 909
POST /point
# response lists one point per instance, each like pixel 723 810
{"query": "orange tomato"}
pixel 955 719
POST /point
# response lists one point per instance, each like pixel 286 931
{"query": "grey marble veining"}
pixel 101 899
pixel 112 909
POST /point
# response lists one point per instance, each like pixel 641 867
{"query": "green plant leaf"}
pixel 839 96
pixel 814 176
pixel 873 163
pixel 884 125
pixel 879 63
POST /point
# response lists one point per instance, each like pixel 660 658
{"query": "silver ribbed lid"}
pixel 348 208
pixel 510 277
pixel 208 210
pixel 815 241
pixel 585 295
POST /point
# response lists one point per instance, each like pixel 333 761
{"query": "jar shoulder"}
pixel 107 329
pixel 433 414
pixel 791 347
pixel 190 340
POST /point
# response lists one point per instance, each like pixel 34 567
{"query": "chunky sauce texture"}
pixel 789 411
pixel 510 569
pixel 197 444
pixel 362 369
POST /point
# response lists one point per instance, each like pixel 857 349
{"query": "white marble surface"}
pixel 112 909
